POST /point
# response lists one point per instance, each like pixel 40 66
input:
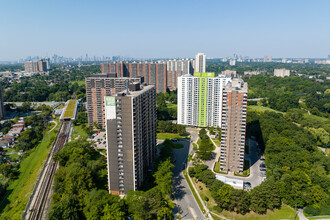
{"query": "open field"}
pixel 78 132
pixel 163 136
pixel 19 191
pixel 285 212
pixel 69 111
pixel 80 82
pixel 261 108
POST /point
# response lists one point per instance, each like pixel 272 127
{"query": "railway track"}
pixel 38 201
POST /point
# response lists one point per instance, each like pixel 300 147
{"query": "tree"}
pixel 163 177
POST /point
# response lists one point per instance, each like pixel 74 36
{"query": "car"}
pixel 247 184
pixel 174 140
pixel 263 174
pixel 103 142
pixel 264 179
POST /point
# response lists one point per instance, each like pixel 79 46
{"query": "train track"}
pixel 38 201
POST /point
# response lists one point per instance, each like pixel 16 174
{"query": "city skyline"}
pixel 158 29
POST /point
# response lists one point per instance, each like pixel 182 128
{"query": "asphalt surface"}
pixel 183 197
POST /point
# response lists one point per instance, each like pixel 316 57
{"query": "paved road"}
pixel 184 199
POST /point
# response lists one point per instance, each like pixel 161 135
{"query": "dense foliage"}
pixel 205 146
pixel 285 93
pixel 58 85
pixel 81 188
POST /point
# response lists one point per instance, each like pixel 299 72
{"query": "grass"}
pixel 216 141
pixel 171 105
pixel 194 192
pixel 69 111
pixel 285 212
pixel 205 194
pixel 163 136
pixel 104 151
pixel 327 151
pixel 316 118
pixel 246 169
pixel 195 147
pixel 80 82
pixel 78 132
pixel 261 109
pixel 18 192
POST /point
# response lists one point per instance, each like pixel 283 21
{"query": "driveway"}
pixel 183 198
pixel 255 177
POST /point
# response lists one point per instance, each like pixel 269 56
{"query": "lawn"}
pixel 317 118
pixel 80 82
pixel 261 108
pixel 78 132
pixel 69 111
pixel 285 212
pixel 171 105
pixel 18 191
pixel 216 141
pixel 195 147
pixel 163 136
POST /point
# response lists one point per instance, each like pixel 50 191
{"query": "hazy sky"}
pixel 167 28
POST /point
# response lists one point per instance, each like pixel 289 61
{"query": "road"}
pixel 184 199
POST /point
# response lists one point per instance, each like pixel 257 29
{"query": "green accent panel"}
pixel 204 74
pixel 202 102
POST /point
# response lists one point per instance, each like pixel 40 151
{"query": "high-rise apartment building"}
pixel 281 72
pixel 100 85
pixel 153 73
pixel 131 137
pixel 200 99
pixel 233 127
pixel 37 66
pixel 176 68
pixel 31 67
pixel 200 63
pixel 230 73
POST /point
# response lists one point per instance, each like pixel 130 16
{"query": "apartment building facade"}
pixel 200 63
pixel 233 127
pixel 176 68
pixel 97 87
pixel 153 73
pixel 131 137
pixel 200 99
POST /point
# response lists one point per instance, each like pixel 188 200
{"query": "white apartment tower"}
pixel 200 99
pixel 200 63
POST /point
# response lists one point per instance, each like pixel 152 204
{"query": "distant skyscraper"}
pixel 230 73
pixel 200 99
pixel 328 57
pixel 268 59
pixel 100 85
pixel 131 137
pixel 234 106
pixel 200 63
pixel 41 65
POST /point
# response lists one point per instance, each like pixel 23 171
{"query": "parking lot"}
pixel 99 139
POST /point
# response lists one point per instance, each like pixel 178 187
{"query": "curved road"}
pixel 183 197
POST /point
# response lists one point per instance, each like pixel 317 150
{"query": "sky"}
pixel 167 29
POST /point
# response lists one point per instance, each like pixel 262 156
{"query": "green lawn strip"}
pixel 194 192
pixel 319 217
pixel 195 147
pixel 216 141
pixel 80 82
pixel 246 169
pixel 104 151
pixel 163 136
pixel 69 111
pixel 171 105
pixel 78 132
pixel 316 118
pixel 19 191
pixel 285 212
pixel 262 109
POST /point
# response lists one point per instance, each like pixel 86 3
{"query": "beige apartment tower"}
pixel 97 87
pixel 131 137
pixel 233 127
